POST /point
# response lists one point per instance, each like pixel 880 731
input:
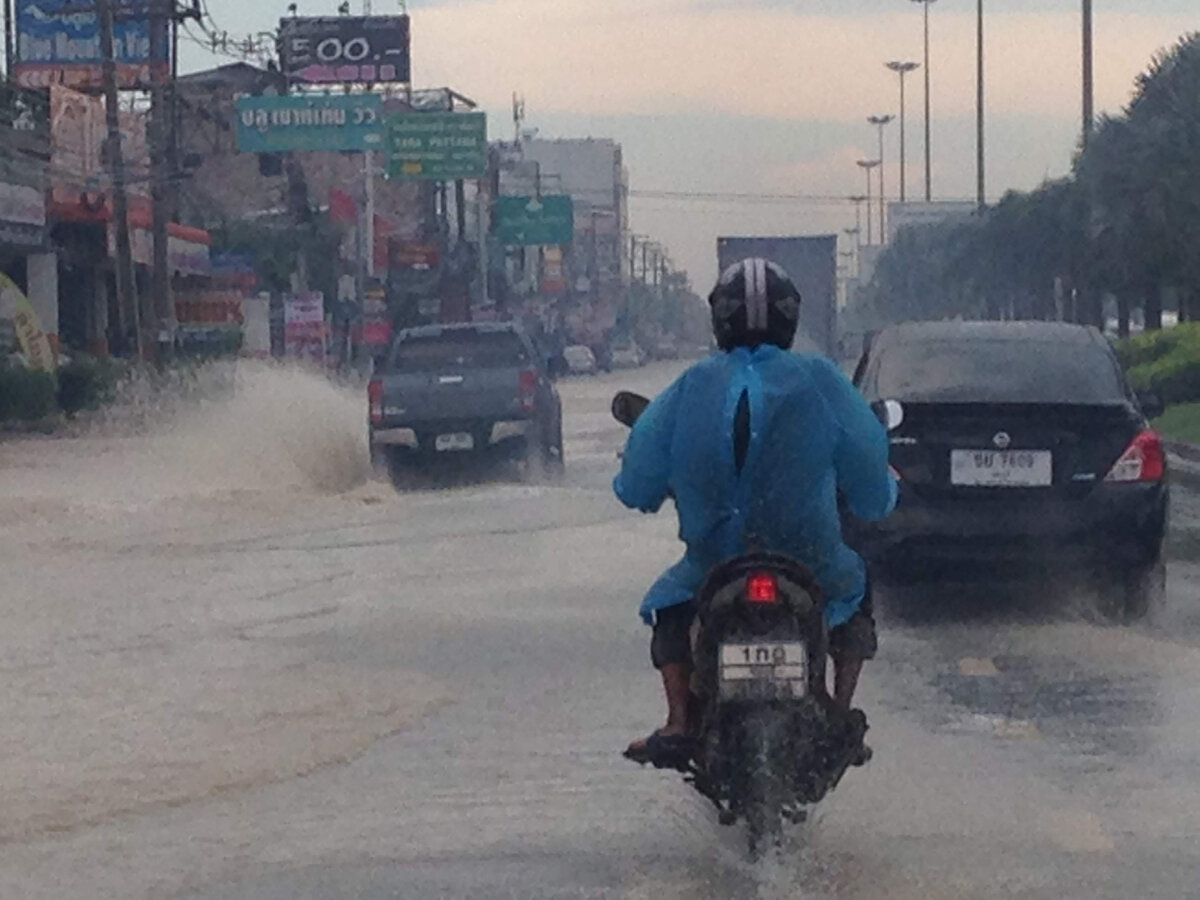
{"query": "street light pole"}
pixel 979 137
pixel 855 235
pixel 1089 97
pixel 928 152
pixel 867 165
pixel 902 69
pixel 858 200
pixel 880 122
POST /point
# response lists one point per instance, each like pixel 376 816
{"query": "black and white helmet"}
pixel 755 302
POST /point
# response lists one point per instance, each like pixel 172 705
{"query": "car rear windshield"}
pixel 459 350
pixel 998 371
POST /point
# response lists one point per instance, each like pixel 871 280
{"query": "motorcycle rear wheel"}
pixel 764 789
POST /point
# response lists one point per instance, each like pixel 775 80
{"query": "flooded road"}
pixel 229 680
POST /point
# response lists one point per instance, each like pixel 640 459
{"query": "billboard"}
pixel 345 49
pixel 58 42
pixel 304 326
pixel 315 122
pixel 438 146
pixel 529 221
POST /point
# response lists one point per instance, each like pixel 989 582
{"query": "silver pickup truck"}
pixel 453 390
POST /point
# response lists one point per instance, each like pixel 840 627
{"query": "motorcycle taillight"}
pixel 761 587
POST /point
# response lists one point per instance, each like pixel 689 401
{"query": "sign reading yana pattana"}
pixel 271 124
pixel 439 146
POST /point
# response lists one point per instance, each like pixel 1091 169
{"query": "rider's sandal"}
pixel 663 751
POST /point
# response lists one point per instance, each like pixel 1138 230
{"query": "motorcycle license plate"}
pixel 782 664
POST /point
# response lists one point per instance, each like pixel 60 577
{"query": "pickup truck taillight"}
pixel 1143 460
pixel 527 388
pixel 375 399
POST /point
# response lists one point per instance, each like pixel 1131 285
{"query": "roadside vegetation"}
pixel 29 397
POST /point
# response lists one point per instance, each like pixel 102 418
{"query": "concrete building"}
pixel 592 171
pixel 26 256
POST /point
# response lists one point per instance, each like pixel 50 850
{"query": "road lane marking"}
pixel 973 667
pixel 1079 832
pixel 997 726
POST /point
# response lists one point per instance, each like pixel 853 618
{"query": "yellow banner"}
pixel 34 343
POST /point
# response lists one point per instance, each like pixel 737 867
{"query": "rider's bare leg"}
pixel 676 679
pixel 847 668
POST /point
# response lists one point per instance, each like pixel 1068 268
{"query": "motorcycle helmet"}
pixel 755 302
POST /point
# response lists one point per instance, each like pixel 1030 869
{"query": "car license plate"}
pixel 1002 468
pixel 453 442
pixel 785 663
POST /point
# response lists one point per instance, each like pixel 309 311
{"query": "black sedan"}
pixel 1020 447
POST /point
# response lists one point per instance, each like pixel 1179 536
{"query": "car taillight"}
pixel 375 399
pixel 527 386
pixel 761 587
pixel 1143 460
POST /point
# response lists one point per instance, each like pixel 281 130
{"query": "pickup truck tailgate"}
pixel 411 398
pixel 460 376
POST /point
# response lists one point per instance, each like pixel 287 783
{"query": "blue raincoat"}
pixel 811 435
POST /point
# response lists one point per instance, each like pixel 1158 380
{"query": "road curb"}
pixel 1184 450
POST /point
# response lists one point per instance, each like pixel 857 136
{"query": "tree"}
pixel 1139 171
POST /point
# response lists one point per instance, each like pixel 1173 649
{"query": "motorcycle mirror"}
pixel 890 413
pixel 628 406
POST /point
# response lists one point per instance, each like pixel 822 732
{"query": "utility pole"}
pixel 160 308
pixel 1089 95
pixel 126 298
pixel 8 40
pixel 518 113
pixel 981 186
pixel 595 261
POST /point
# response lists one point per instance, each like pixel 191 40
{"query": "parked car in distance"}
pixel 453 390
pixel 666 348
pixel 580 360
pixel 1022 448
pixel 627 355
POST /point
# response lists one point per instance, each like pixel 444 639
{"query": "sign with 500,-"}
pixel 345 49
pixel 272 124
pixel 438 146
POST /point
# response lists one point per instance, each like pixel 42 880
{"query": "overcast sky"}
pixel 770 96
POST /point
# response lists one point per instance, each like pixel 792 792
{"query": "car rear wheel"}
pixel 402 472
pixel 1135 593
pixel 544 461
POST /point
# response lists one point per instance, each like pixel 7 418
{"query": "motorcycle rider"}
pixel 756 440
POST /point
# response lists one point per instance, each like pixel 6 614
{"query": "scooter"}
pixel 769 741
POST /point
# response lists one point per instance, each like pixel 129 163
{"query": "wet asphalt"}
pixel 1023 749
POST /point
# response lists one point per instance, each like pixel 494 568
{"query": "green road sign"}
pixel 272 124
pixel 526 221
pixel 436 145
